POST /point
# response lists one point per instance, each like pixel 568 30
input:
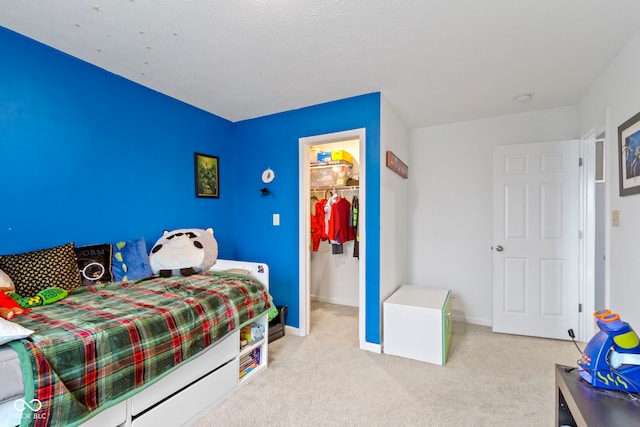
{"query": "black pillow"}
pixel 94 262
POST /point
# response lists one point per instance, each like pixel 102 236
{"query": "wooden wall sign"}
pixel 397 165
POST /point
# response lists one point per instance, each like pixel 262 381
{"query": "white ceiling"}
pixel 436 61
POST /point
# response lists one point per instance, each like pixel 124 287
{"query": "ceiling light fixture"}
pixel 523 99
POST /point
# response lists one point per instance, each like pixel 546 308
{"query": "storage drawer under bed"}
pixel 182 407
pixel 216 356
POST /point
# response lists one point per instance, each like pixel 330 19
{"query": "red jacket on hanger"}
pixel 316 233
pixel 340 222
pixel 320 217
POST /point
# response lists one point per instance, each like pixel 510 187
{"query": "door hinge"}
pixel 579 307
pixel 580 234
pixel 580 161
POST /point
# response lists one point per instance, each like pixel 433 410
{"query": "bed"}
pixel 169 351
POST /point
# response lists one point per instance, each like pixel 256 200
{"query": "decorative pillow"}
pixel 6 284
pixel 34 271
pixel 183 252
pixel 94 262
pixel 130 260
pixel 10 331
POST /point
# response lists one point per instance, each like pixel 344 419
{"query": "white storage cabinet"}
pixel 417 323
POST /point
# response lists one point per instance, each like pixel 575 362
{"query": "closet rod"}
pixel 347 188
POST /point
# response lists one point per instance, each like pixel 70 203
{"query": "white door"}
pixel 536 193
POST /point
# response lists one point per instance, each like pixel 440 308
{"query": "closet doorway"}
pixel 333 278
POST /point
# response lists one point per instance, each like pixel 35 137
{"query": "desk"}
pixel 580 404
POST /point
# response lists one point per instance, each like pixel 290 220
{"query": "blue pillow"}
pixel 130 260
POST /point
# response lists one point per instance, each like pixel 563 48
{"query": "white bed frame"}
pixel 196 387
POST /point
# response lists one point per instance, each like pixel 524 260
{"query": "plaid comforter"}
pixel 104 343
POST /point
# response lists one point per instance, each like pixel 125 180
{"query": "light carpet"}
pixel 324 379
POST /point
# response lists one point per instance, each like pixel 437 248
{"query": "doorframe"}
pixel 587 242
pixel 304 255
pixel 589 211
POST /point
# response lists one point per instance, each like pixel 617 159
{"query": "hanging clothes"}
pixel 320 218
pixel 316 233
pixel 317 224
pixel 340 229
pixel 327 215
pixel 355 207
pixel 336 247
pixel 314 226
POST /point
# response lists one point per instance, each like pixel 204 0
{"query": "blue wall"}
pixel 90 157
pixel 272 141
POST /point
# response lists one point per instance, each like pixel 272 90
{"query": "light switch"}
pixel 615 218
pixel 276 219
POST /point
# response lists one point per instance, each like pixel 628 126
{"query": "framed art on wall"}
pixel 629 156
pixel 207 175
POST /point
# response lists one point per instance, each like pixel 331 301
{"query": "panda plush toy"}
pixel 184 252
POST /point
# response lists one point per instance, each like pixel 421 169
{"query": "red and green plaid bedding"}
pixel 104 343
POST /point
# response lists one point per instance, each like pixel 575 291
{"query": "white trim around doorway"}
pixel 304 226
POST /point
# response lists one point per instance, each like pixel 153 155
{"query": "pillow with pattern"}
pixel 130 260
pixel 94 262
pixel 34 271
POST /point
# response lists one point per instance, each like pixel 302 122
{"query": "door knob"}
pixel 499 248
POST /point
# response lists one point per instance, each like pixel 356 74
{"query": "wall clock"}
pixel 268 175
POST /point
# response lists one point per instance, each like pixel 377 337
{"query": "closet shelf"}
pixel 336 187
pixel 330 164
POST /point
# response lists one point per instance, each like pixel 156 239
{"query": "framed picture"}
pixel 207 175
pixel 629 156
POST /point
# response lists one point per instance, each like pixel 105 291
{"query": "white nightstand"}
pixel 417 323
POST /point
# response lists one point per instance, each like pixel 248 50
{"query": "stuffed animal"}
pixel 184 252
pixel 9 307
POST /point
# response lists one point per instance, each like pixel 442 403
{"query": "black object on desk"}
pixel 580 404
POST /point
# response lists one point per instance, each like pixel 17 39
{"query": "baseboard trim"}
pixel 290 330
pixel 473 321
pixel 374 348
